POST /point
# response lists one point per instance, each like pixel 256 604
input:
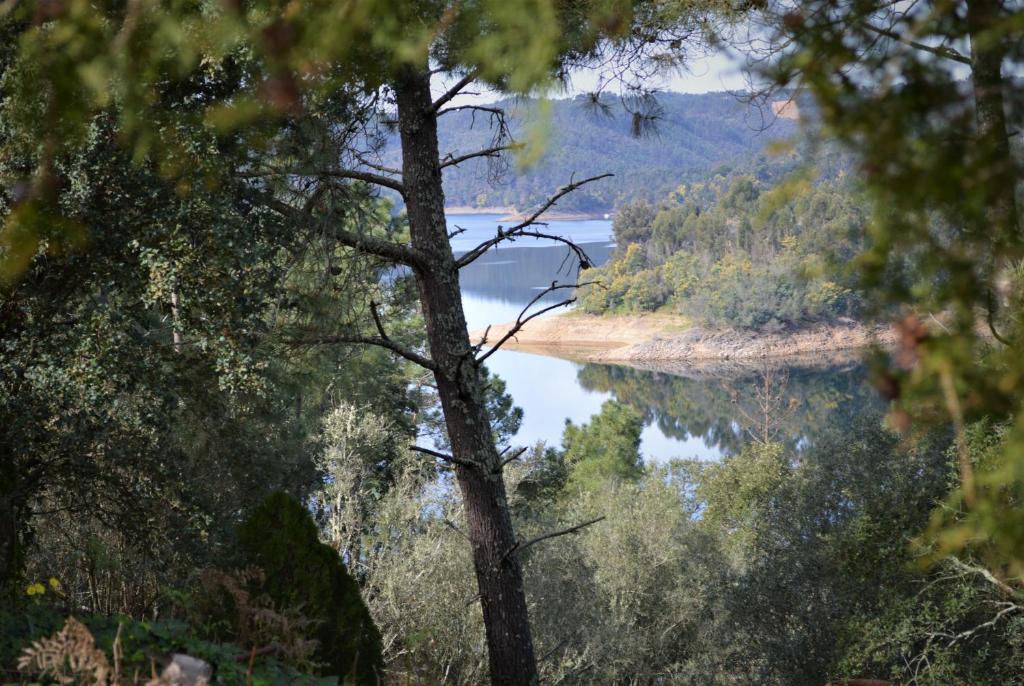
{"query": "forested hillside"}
pixel 763 247
pixel 691 136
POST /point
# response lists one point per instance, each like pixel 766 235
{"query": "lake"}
pixel 687 413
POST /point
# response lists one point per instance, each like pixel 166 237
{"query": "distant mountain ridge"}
pixel 694 136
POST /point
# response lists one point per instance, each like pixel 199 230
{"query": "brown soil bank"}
pixel 660 337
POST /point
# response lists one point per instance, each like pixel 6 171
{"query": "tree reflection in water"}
pixel 726 406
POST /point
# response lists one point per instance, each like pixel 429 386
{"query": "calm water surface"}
pixel 686 413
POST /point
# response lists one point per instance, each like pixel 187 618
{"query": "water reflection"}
pixel 703 413
pixel 727 407
pixel 515 275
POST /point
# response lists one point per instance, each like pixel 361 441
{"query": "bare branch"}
pixel 379 167
pixel 1007 609
pixel 454 90
pixel 444 457
pixel 514 456
pixel 477 252
pixel 559 194
pixel 988 576
pixel 496 111
pixel 522 319
pixel 554 534
pixel 387 343
pixel 990 312
pixel 450 161
pixel 937 50
pixel 519 229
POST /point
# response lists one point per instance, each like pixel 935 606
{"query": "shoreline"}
pixel 663 338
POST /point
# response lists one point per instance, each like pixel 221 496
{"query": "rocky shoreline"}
pixel 668 338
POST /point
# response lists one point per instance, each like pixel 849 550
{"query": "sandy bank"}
pixel 660 337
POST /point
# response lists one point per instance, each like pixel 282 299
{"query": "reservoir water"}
pixel 687 413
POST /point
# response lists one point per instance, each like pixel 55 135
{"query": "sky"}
pixel 718 72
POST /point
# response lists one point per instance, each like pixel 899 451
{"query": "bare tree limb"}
pixel 519 229
pixel 1007 608
pixel 454 90
pixel 379 167
pixel 937 50
pixel 511 458
pixel 477 252
pixel 522 319
pixel 387 343
pixel 988 576
pixel 990 312
pixel 554 534
pixel 496 111
pixel 444 457
pixel 450 161
pixel 559 194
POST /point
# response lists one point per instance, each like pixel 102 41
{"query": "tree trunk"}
pixel 460 388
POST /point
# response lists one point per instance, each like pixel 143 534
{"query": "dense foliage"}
pixel 176 298
pixel 280 538
pixel 932 117
pixel 740 250
pixel 777 565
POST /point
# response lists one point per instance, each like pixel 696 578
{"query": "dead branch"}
pixel 937 50
pixel 511 458
pixel 454 90
pixel 554 534
pixel 496 111
pixel 380 342
pixel 477 252
pixel 379 167
pixel 377 322
pixel 985 574
pixel 1007 608
pixel 523 319
pixel 450 161
pixel 519 229
pixel 444 457
pixel 451 525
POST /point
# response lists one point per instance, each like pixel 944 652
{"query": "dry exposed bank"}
pixel 660 337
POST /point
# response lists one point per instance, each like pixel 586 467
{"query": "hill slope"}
pixel 694 135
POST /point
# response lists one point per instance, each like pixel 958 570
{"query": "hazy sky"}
pixel 714 73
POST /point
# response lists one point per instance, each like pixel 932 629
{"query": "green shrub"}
pixel 280 538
